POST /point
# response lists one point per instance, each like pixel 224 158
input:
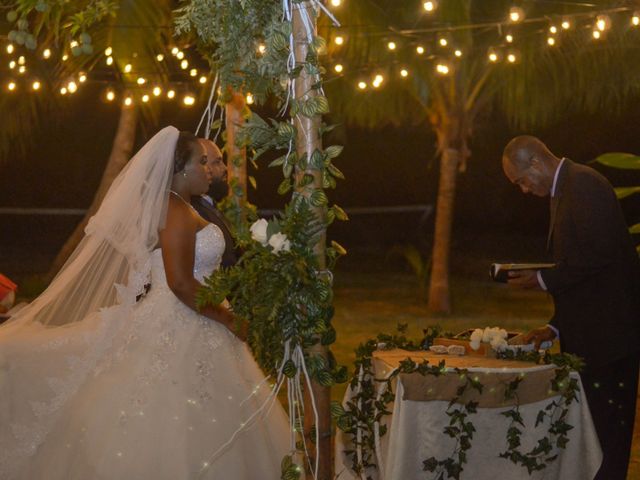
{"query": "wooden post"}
pixel 308 140
pixel 236 157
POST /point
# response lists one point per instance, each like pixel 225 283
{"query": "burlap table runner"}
pixel 495 375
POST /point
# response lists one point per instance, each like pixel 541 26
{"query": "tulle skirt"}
pixel 152 391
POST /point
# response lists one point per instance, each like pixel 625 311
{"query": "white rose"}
pixel 259 231
pixel 498 344
pixel 474 344
pixel 476 335
pixel 279 242
pixel 487 335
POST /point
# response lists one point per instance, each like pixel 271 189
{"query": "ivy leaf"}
pixel 333 151
pixel 318 198
pixel 252 181
pixel 338 248
pixel 321 104
pixel 333 170
pixel 284 186
pixel 289 369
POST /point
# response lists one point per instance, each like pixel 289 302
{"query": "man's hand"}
pixel 524 279
pixel 538 336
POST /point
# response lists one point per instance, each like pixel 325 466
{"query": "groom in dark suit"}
pixel 595 285
pixel 205 205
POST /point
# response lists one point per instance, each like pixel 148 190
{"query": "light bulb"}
pixel 108 51
pixel 22 69
pixel 262 48
pixel 443 42
pixel 160 57
pixel 10 49
pixel 180 55
pixel 128 68
pixel 635 19
pixel 249 99
pixel 63 91
pixel 336 3
pixel 511 58
pixel 171 94
pixel 109 60
pixel 458 53
pixel 46 53
pixel 145 98
pixel 603 22
pixel 11 86
pixel 111 96
pixel 404 73
pixel 65 57
pixel 21 60
pixel 391 45
pixel 419 49
pixel 35 85
pixel 73 44
pixel 362 85
pixel 72 87
pixel 82 78
pixel 203 80
pixel 551 41
pixel 516 14
pixel 493 57
pixel 157 91
pixel 339 40
pixel 175 50
pixel 193 72
pixel 184 64
pixel 429 6
pixel 188 100
pixel 566 24
pixel 509 38
pixel 128 101
pixel 12 64
pixel 141 80
pixel 338 68
pixel 596 34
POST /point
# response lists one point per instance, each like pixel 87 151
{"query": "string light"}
pixel 404 73
pixel 377 81
pixel 110 95
pixel 511 57
pixel 338 68
pixel 551 41
pixel 442 69
pixel 635 19
pixel 109 60
pixel 335 3
pixel 391 45
pixel 443 42
pixel 249 99
pixel 180 55
pixel 174 51
pixel 362 85
pixel 157 91
pixel 141 81
pixel 603 22
pixel 171 94
pixel 203 80
pixel 82 78
pixel 35 85
pixel 184 64
pixel 262 48
pixel 63 91
pixel 12 64
pixel 493 56
pixel 73 44
pixel 10 49
pixel 72 87
pixel 46 53
pixel 419 49
pixel 128 101
pixel 596 34
pixel 65 57
pixel 108 51
pixel 145 98
pixel 458 53
pixel 553 29
pixel 11 86
pixel 188 100
pixel 509 38
pixel 566 24
pixel 21 60
pixel 22 69
pixel 193 72
pixel 128 68
pixel 429 6
pixel 516 14
pixel 160 57
pixel 339 40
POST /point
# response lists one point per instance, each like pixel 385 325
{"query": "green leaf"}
pixel 305 180
pixel 284 186
pixel 278 161
pixel 285 129
pixel 338 248
pixel 333 151
pixel 318 198
pixel 252 181
pixel 317 160
pixel 623 192
pixel 634 229
pixel 321 104
pixel 626 161
pixel 340 213
pixel 333 170
pixel 289 369
pixel 325 378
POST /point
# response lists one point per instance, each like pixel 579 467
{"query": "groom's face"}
pixel 219 188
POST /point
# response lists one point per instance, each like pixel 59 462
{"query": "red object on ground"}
pixel 6 286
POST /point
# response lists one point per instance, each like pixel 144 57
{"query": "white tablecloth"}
pixel 415 433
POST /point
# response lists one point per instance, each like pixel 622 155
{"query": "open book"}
pixel 500 271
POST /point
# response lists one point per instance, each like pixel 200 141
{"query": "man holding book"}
pixel 595 285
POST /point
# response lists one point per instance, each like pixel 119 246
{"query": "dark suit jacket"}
pixel 596 282
pixel 211 214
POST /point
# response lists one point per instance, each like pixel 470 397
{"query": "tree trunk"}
pixel 120 154
pixel 307 141
pixel 439 296
pixel 237 157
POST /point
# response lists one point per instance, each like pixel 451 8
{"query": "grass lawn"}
pixel 371 301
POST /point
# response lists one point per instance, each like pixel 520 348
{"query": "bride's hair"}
pixel 185 147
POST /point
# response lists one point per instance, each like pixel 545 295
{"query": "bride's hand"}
pixel 229 320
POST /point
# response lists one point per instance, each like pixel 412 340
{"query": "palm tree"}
pixel 448 68
pixel 129 32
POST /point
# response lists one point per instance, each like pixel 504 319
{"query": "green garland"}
pixel 361 416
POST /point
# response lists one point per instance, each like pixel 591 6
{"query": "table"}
pixel 415 427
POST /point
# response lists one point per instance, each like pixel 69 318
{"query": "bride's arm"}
pixel 177 241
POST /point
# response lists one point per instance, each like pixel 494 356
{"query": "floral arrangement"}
pixel 495 336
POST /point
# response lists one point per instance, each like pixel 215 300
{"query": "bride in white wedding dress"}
pixel 94 385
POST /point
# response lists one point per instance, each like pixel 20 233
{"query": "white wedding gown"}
pixel 144 392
